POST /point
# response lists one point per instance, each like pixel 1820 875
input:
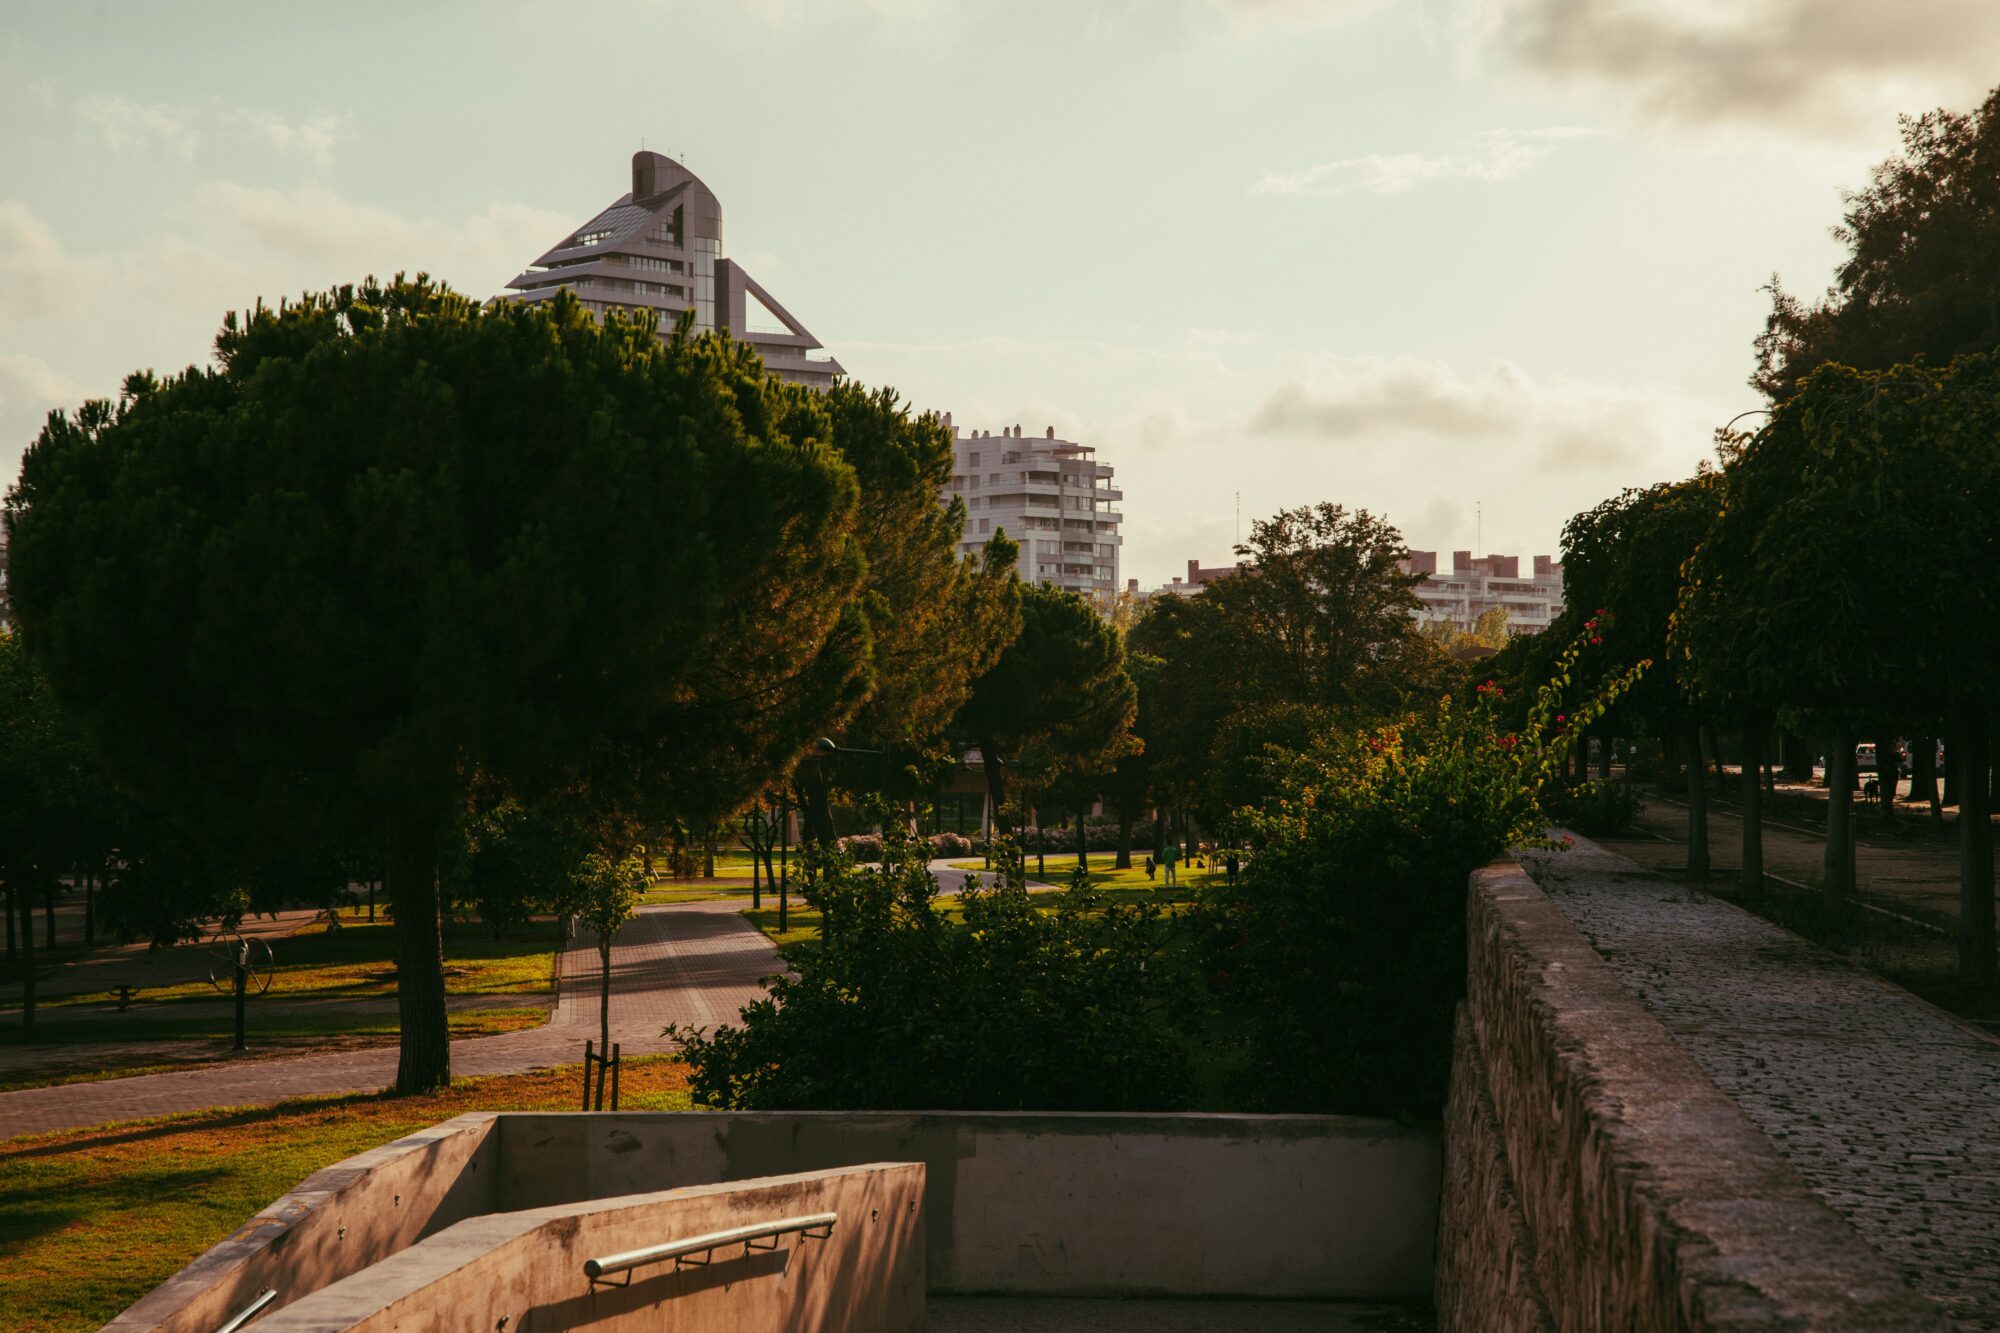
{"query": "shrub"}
pixel 1594 809
pixel 951 845
pixel 896 1007
pixel 862 847
pixel 1339 958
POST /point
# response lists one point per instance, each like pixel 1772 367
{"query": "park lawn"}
pixel 165 1025
pixel 91 1220
pixel 694 891
pixel 1102 876
pixel 357 961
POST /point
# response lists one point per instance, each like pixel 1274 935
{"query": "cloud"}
pixel 1563 423
pixel 36 277
pixel 1496 155
pixel 338 239
pixel 137 127
pixel 177 131
pixel 1821 66
pixel 29 388
pixel 310 137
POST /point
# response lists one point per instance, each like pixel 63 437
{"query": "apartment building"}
pixel 1472 587
pixel 658 247
pixel 1050 495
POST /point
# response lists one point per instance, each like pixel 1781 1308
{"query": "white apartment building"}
pixel 1473 587
pixel 1051 496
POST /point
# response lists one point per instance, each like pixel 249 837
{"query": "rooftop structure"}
pixel 659 248
pixel 1474 587
pixel 1050 495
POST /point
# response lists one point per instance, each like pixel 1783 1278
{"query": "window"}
pixel 592 237
pixel 986 525
pixel 973 461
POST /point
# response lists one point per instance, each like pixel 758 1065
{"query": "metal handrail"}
pixel 250 1311
pixel 814 1226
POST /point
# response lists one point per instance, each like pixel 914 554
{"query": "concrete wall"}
pixel 1061 1204
pixel 336 1222
pixel 1596 1179
pixel 523 1271
pixel 1053 1204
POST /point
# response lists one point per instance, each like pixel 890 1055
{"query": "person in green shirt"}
pixel 1169 855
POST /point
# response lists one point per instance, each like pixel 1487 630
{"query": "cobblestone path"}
pixel 1888 1108
pixel 693 963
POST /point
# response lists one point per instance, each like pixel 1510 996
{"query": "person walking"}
pixel 1169 856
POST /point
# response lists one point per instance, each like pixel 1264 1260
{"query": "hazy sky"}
pixel 1412 255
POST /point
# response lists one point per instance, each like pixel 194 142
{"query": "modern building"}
pixel 659 248
pixel 1494 582
pixel 1050 495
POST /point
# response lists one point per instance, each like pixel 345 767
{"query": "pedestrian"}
pixel 1168 856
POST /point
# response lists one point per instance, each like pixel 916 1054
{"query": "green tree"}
pixel 1058 701
pixel 52 799
pixel 1786 602
pixel 937 619
pixel 394 544
pixel 1918 281
pixel 603 893
pixel 1622 574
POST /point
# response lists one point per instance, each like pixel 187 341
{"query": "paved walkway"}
pixel 691 963
pixel 951 880
pixel 1888 1108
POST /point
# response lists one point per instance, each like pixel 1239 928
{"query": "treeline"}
pixel 458 598
pixel 1834 578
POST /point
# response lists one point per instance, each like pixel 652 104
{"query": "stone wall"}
pixel 1596 1179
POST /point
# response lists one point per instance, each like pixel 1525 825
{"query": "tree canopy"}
pixel 395 542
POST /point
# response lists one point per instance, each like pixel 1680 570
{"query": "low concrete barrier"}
pixel 338 1221
pixel 525 1270
pixel 1325 1207
pixel 1294 1206
pixel 1597 1179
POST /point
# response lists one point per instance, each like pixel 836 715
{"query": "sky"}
pixel 1473 265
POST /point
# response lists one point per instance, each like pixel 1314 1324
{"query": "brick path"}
pixel 1888 1108
pixel 689 963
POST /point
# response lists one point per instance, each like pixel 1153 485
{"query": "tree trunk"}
pixel 756 862
pixel 1975 855
pixel 25 902
pixel 13 950
pixel 411 880
pixel 1124 861
pixel 1082 843
pixel 707 849
pixel 1753 794
pixel 1924 776
pixel 817 807
pixel 1697 798
pixel 604 994
pixel 996 783
pixel 1888 772
pixel 1715 754
pixel 1952 745
pixel 1837 867
pixel 90 908
pixel 1604 744
pixel 49 912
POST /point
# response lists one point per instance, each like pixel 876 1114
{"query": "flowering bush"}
pixel 1341 956
pixel 864 848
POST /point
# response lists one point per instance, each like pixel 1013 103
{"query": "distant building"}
pixel 1474 587
pixel 1198 577
pixel 1052 496
pixel 659 248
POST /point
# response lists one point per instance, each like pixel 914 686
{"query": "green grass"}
pixel 700 891
pixel 1102 876
pixel 91 1220
pixel 357 962
pixel 165 1025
